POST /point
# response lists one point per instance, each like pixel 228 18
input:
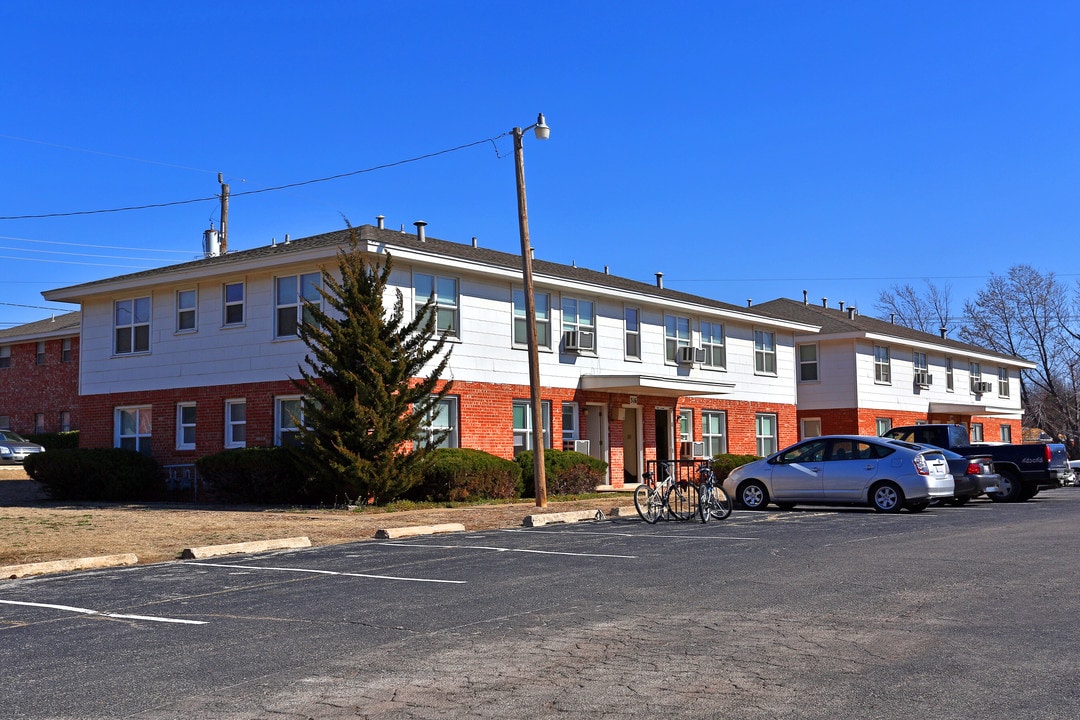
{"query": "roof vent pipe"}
pixel 824 302
pixel 660 280
pixel 944 331
pixel 841 304
pixel 287 238
pixel 805 298
pixel 892 318
pixel 749 302
pixel 852 312
pixel 420 230
pixel 606 270
pixel 381 221
pixel 474 241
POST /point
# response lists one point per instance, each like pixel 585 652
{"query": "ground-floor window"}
pixel 882 426
pixel 185 426
pixel 976 432
pixel 235 423
pixel 1006 433
pixel 440 427
pixel 288 419
pixel 570 432
pixel 523 427
pixel 65 421
pixel 765 430
pixel 133 429
pixel 39 422
pixel 714 432
pixel 809 427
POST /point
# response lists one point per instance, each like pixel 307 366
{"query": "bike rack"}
pixel 683 472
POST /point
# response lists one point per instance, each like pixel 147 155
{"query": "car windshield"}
pixel 10 436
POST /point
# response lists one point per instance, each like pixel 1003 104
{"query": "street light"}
pixel 542 132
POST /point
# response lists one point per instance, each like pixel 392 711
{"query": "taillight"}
pixel 974 469
pixel 1049 455
pixel 920 465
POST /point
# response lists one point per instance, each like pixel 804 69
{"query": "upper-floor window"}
pixel 882 365
pixel 65 350
pixel 578 315
pixel 5 357
pixel 444 292
pixel 232 295
pixel 975 376
pixel 542 304
pixel 676 335
pixel 291 292
pixel 1003 382
pixel 185 310
pixel 632 332
pixel 765 352
pixel 920 369
pixel 440 428
pixel 39 353
pixel 185 426
pixel 949 374
pixel 808 363
pixel 712 340
pixel 131 325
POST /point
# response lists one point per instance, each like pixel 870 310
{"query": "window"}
pixel 809 427
pixel 65 421
pixel 1003 382
pixel 948 374
pixel 1006 433
pixel 440 425
pixel 523 433
pixel 291 292
pixel 686 425
pixel 569 424
pixel 975 375
pixel 185 426
pixel 676 335
pixel 39 423
pixel 976 432
pixel 882 426
pixel 233 295
pixel 132 325
pixel 235 423
pixel 808 365
pixel 39 353
pixel 542 301
pixel 65 350
pixel 712 339
pixel 186 301
pixel 882 365
pixel 765 430
pixel 920 369
pixel 764 352
pixel 714 432
pixel 133 429
pixel 5 356
pixel 578 315
pixel 288 419
pixel 632 333
pixel 443 291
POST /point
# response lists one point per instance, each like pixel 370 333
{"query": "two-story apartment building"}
pixel 189 359
pixel 39 364
pixel 863 375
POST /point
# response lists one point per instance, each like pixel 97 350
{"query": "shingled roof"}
pixel 65 324
pixel 833 321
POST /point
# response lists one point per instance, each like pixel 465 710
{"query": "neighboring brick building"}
pixel 864 375
pixel 39 375
pixel 189 359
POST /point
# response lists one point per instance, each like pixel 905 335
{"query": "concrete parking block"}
pixel 54 566
pixel 563 517
pixel 413 530
pixel 245 547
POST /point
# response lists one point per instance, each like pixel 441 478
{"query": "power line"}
pixel 89 245
pixel 256 192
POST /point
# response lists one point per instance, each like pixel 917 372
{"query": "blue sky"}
pixel 744 149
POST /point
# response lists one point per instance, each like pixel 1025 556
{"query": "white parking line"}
pixel 86 611
pixel 330 572
pixel 622 534
pixel 506 549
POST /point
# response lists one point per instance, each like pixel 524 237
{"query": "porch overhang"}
pixel 654 385
pixel 945 408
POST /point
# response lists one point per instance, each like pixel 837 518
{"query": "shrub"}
pixel 566 472
pixel 57 440
pixel 463 474
pixel 257 475
pixel 723 464
pixel 102 474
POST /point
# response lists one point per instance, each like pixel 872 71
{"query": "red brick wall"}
pixel 27 388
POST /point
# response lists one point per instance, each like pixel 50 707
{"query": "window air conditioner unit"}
pixel 691 450
pixel 581 446
pixel 691 356
pixel 979 387
pixel 922 379
pixel 579 340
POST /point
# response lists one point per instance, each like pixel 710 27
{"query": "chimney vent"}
pixel 420 230
pixel 749 302
pixel 852 312
pixel 474 241
pixel 287 240
pixel 606 270
pixel 381 221
pixel 892 318
pixel 841 304
pixel 944 331
pixel 805 298
pixel 660 280
pixel 824 302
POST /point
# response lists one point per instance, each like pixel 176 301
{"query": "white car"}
pixel 14 448
pixel 887 475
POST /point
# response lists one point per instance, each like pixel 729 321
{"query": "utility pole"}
pixel 224 214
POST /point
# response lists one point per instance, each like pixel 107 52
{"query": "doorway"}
pixel 663 434
pixel 631 446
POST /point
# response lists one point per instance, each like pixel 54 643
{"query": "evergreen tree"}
pixel 365 399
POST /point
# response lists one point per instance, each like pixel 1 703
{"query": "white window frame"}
pixel 286 424
pixel 519 331
pixel 714 343
pixel 767 442
pixel 447 309
pixel 39 353
pixel 235 426
pixel 187 306
pixel 686 425
pixel 135 327
pixel 882 425
pixel 571 423
pixel 805 364
pixel 974 375
pixel 976 432
pixel 632 332
pixel 1003 382
pixel 809 427
pixel 1006 433
pixel 574 319
pixel 677 334
pixel 523 435
pixel 230 303
pixel 949 384
pixel 184 425
pixel 289 306
pixel 764 352
pixel 65 350
pixel 714 432
pixel 882 365
pixel 138 433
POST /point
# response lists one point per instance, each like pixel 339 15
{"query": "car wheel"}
pixel 753 495
pixel 1009 488
pixel 886 497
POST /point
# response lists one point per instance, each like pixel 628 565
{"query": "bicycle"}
pixel 669 498
pixel 713 502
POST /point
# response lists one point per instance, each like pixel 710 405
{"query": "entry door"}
pixel 663 435
pixel 596 431
pixel 631 447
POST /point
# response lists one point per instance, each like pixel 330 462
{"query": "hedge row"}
pixel 96 474
pixel 566 472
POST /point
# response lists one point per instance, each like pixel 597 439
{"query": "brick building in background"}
pixel 39 375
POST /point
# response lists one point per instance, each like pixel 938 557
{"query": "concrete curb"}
pixel 562 517
pixel 10 572
pixel 414 530
pixel 245 547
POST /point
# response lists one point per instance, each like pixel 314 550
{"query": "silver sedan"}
pixel 885 474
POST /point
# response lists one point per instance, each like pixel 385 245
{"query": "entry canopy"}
pixel 653 385
pixel 945 408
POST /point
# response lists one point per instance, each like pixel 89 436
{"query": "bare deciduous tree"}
pixel 927 312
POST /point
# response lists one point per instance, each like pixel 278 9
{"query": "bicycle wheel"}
pixel 682 500
pixel 705 502
pixel 648 503
pixel 720 505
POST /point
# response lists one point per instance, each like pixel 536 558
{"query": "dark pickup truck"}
pixel 1025 469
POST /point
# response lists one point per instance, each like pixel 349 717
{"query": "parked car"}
pixel 973 476
pixel 14 448
pixel 844 470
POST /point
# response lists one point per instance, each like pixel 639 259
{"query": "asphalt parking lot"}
pixel 818 613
